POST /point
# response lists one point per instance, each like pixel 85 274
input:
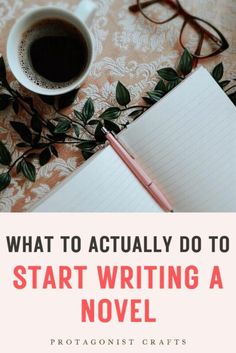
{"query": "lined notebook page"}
pixel 104 184
pixel 187 144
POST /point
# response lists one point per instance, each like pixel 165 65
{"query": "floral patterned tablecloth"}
pixel 129 49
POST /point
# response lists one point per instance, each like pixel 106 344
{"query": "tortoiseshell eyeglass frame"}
pixel 220 41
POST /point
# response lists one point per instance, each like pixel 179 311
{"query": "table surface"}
pixel 129 49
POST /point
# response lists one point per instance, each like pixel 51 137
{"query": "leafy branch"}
pixel 40 136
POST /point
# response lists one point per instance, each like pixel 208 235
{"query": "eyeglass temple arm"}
pixel 198 50
pixel 195 24
pixel 135 8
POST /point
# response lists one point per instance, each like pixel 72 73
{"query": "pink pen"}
pixel 138 171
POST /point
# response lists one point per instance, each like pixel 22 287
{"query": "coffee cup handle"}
pixel 85 9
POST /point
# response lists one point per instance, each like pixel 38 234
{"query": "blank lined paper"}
pixel 187 144
pixel 104 184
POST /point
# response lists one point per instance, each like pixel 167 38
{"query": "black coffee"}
pixel 53 53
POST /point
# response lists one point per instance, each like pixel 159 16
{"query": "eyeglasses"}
pixel 200 37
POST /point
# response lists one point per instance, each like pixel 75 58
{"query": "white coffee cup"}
pixel 84 10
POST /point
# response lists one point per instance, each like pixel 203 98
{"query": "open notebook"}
pixel 186 143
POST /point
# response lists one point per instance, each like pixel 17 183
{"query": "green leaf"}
pixel 87 154
pixel 5 156
pixel 16 107
pixel 79 115
pixel 160 86
pixel 218 72
pixel 99 135
pixel 111 126
pixel 18 168
pixel 93 122
pixel 22 130
pixel 54 150
pixel 225 83
pixel 88 110
pixel 45 156
pixel 148 100
pixel 5 100
pixel 122 94
pixel 172 84
pixel 156 95
pixel 62 127
pixel 76 129
pixel 168 74
pixel 59 118
pixel 186 63
pixel 136 113
pixel 28 170
pixel 66 100
pixel 111 113
pixel 36 140
pixel 36 124
pixel 5 180
pixel 2 69
pixel 87 145
pixel 50 100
